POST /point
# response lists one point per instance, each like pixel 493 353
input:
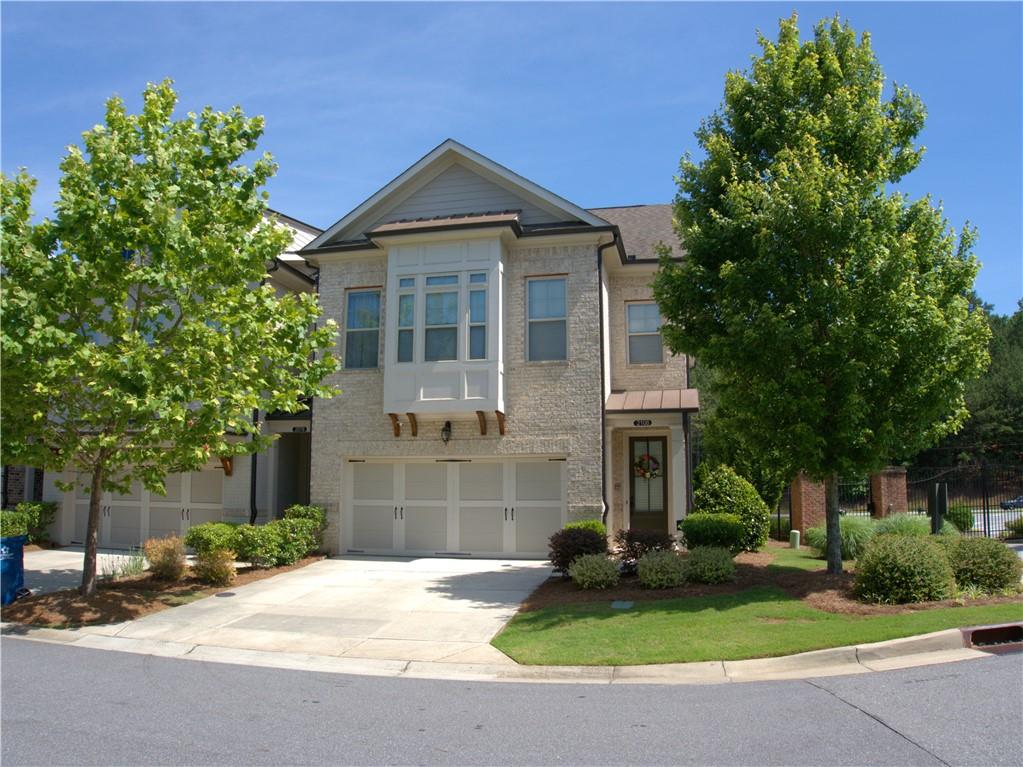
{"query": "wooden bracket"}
pixel 500 422
pixel 227 464
pixel 413 423
pixel 482 418
pixel 395 424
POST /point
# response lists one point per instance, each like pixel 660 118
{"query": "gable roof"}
pixel 373 211
pixel 642 227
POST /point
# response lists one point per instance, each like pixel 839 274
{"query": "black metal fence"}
pixel 994 494
pixel 854 497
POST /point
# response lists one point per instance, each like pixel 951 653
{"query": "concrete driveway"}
pixel 49 570
pixel 360 607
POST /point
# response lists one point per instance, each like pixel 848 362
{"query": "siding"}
pixel 459 190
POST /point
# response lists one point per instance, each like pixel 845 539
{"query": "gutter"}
pixel 616 241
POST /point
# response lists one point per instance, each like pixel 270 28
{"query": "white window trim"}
pixel 530 321
pixel 629 334
pixel 378 329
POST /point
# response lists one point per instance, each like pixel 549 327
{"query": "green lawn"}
pixel 757 623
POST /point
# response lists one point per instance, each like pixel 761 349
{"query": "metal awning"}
pixel 654 401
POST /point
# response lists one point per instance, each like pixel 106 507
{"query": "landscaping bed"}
pixel 127 598
pixel 782 602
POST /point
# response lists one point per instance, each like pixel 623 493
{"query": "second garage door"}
pixel 436 508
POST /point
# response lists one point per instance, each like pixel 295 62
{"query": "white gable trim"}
pixel 419 173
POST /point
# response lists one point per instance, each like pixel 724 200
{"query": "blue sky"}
pixel 597 102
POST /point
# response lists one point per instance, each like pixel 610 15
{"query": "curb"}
pixel 927 649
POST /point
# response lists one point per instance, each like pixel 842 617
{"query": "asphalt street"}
pixel 67 705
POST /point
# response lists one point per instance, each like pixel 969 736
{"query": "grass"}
pixel 757 623
pixel 803 558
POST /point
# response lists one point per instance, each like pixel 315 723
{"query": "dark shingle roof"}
pixel 642 228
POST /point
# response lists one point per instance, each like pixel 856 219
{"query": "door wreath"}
pixel 647 467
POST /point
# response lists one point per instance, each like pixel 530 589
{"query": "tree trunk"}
pixel 834 530
pixel 88 587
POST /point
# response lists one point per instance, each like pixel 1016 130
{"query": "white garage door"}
pixel 475 508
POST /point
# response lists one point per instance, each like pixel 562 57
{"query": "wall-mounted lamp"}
pixel 445 432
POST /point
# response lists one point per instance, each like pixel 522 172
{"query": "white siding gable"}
pixel 459 190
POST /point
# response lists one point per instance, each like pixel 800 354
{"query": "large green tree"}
pixel 834 310
pixel 138 336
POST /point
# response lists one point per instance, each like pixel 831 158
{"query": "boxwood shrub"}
pixel 594 571
pixel 260 545
pixel 661 570
pixel 721 491
pixel 856 533
pixel 316 514
pixel 897 569
pixel 299 538
pixel 717 530
pixel 13 524
pixel 984 563
pixel 40 515
pixel 588 524
pixel 569 543
pixel 212 536
pixel 960 515
pixel 708 564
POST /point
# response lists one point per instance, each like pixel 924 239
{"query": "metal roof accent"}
pixel 653 401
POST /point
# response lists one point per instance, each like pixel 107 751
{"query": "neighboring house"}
pixel 247 487
pixel 503 370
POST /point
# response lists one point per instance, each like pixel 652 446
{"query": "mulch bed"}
pixel 123 599
pixel 830 593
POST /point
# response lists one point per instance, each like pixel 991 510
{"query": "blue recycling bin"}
pixel 12 567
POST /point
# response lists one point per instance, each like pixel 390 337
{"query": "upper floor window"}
pixel 362 329
pixel 547 329
pixel 441 337
pixel 644 331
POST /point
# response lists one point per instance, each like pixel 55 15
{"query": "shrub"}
pixel 716 530
pixel 315 513
pixel 214 566
pixel 661 570
pixel 632 544
pixel 722 491
pixel 259 545
pixel 1014 528
pixel 299 537
pixel 569 543
pixel 856 534
pixel 40 516
pixel 166 557
pixel 910 524
pixel 897 568
pixel 594 571
pixel 212 536
pixel 984 563
pixel 13 523
pixel 708 564
pixel 588 524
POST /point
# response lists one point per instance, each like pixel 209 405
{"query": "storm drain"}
pixel 1007 637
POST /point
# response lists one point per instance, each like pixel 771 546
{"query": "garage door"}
pixel 467 508
pixel 129 519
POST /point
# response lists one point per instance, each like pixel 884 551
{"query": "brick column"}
pixel 808 503
pixel 888 491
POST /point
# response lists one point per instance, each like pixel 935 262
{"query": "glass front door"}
pixel 648 497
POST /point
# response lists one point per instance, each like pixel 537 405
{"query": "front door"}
pixel 648 496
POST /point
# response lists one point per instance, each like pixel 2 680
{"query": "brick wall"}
pixel 888 491
pixel 809 503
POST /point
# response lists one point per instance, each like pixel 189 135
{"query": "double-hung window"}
pixel 644 331
pixel 406 318
pixel 547 329
pixel 478 316
pixel 362 329
pixel 441 326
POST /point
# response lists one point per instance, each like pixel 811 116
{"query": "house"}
pixel 257 487
pixel 503 370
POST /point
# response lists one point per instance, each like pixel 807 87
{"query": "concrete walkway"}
pixel 50 570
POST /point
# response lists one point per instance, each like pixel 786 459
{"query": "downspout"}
pixel 253 511
pixel 603 385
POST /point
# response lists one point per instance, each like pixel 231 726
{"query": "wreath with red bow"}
pixel 647 467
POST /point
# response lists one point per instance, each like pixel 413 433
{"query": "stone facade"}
pixel 552 408
pixel 670 374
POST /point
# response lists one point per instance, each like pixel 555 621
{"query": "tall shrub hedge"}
pixel 721 491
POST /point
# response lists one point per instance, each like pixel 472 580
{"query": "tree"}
pixel 138 336
pixel 994 430
pixel 834 310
